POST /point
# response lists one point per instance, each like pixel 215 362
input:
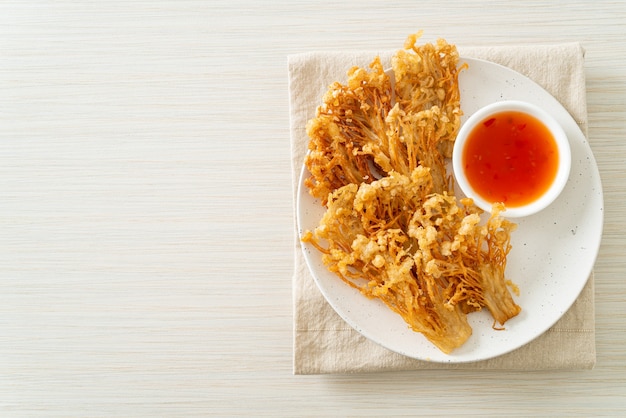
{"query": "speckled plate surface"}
pixel 553 252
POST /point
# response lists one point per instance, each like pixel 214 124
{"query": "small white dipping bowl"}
pixel 563 148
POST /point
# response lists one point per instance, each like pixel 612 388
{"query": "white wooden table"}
pixel 146 222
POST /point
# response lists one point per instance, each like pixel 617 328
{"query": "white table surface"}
pixel 146 225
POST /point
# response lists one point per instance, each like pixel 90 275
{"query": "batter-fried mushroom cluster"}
pixel 393 228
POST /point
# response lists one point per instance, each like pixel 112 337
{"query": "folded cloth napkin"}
pixel 323 342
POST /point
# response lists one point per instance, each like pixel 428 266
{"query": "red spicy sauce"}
pixel 510 157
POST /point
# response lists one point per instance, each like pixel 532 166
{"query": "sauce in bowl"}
pixel 510 157
pixel 512 152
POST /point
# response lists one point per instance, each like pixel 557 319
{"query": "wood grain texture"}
pixel 146 216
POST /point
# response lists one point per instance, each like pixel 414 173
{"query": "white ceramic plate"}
pixel 553 252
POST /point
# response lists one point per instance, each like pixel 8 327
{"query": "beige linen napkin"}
pixel 323 342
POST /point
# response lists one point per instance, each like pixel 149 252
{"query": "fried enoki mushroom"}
pixel 348 130
pixel 426 257
pixel 426 77
pixel 359 135
pixel 393 228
